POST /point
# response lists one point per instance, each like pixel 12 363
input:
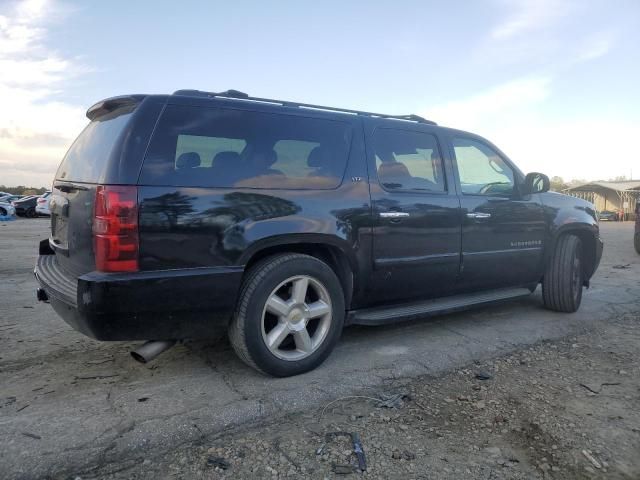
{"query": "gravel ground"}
pixel 567 409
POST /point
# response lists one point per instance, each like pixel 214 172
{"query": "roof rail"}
pixel 237 95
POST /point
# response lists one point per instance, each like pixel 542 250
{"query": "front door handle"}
pixel 478 215
pixel 393 214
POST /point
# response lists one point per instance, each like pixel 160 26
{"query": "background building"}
pixel 611 196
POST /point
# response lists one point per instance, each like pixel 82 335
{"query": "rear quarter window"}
pixel 87 158
pixel 214 147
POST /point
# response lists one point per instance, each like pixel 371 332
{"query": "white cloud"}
pixel 35 130
pixel 529 15
pixel 496 103
pixel 513 117
pixel 573 148
pixel 595 47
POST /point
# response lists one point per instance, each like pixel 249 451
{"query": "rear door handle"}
pixel 393 214
pixel 478 215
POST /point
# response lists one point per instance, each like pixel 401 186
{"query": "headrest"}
pixel 393 169
pixel 269 157
pixel 188 160
pixel 226 159
pixel 318 157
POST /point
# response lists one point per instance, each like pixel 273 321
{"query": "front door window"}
pixel 482 171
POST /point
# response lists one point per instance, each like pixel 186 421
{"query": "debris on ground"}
pixel 218 462
pixel 481 375
pixel 393 400
pixel 535 422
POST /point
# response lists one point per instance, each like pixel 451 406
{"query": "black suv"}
pixel 173 215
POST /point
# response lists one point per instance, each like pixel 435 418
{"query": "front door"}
pixel 416 243
pixel 502 231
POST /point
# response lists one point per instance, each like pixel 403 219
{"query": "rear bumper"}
pixel 158 305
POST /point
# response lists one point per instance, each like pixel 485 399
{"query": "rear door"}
pixel 72 200
pixel 416 238
pixel 502 231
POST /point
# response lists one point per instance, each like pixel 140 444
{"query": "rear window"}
pixel 212 147
pixel 86 160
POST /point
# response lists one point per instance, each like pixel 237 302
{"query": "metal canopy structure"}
pixel 613 196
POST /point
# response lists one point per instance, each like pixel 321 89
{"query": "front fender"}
pixel 572 215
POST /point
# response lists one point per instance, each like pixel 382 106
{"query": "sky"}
pixel 555 84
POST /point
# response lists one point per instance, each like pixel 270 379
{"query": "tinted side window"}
pixel 408 160
pixel 196 146
pixel 481 170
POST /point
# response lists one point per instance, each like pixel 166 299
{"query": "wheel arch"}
pixel 588 236
pixel 327 248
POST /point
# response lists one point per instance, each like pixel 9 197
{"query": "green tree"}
pixel 558 184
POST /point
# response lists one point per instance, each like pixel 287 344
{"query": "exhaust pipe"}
pixel 150 350
pixel 42 296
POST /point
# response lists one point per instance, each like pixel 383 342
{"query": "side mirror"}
pixel 535 182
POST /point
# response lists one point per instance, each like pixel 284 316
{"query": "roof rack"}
pixel 236 95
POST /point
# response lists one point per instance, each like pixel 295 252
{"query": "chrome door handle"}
pixel 478 215
pixel 393 214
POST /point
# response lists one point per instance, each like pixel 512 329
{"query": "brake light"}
pixel 115 228
pixel 42 200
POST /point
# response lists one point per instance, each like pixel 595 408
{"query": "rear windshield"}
pixel 213 147
pixel 86 160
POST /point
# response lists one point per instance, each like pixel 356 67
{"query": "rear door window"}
pixel 87 159
pixel 408 160
pixel 213 147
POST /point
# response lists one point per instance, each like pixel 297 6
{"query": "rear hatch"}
pixel 83 169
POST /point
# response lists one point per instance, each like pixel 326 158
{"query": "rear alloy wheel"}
pixel 564 278
pixel 290 315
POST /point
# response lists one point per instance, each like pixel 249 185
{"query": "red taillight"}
pixel 115 228
pixel 42 200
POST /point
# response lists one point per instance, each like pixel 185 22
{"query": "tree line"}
pixel 22 190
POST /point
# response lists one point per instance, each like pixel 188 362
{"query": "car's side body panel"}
pixel 418 255
pixel 502 237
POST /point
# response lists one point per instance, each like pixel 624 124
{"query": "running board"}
pixel 408 311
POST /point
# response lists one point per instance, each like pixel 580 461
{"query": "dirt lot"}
pixel 70 406
pixel 567 409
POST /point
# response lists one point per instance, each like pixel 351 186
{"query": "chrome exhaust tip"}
pixel 150 350
pixel 41 295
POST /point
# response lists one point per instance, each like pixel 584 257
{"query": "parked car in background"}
pixel 6 209
pixel 26 206
pixel 11 198
pixel 608 216
pixel 42 204
pixel 174 215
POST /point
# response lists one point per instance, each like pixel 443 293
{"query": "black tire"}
pixel 246 329
pixel 3 212
pixel 563 280
pixel 31 213
pixel 636 242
